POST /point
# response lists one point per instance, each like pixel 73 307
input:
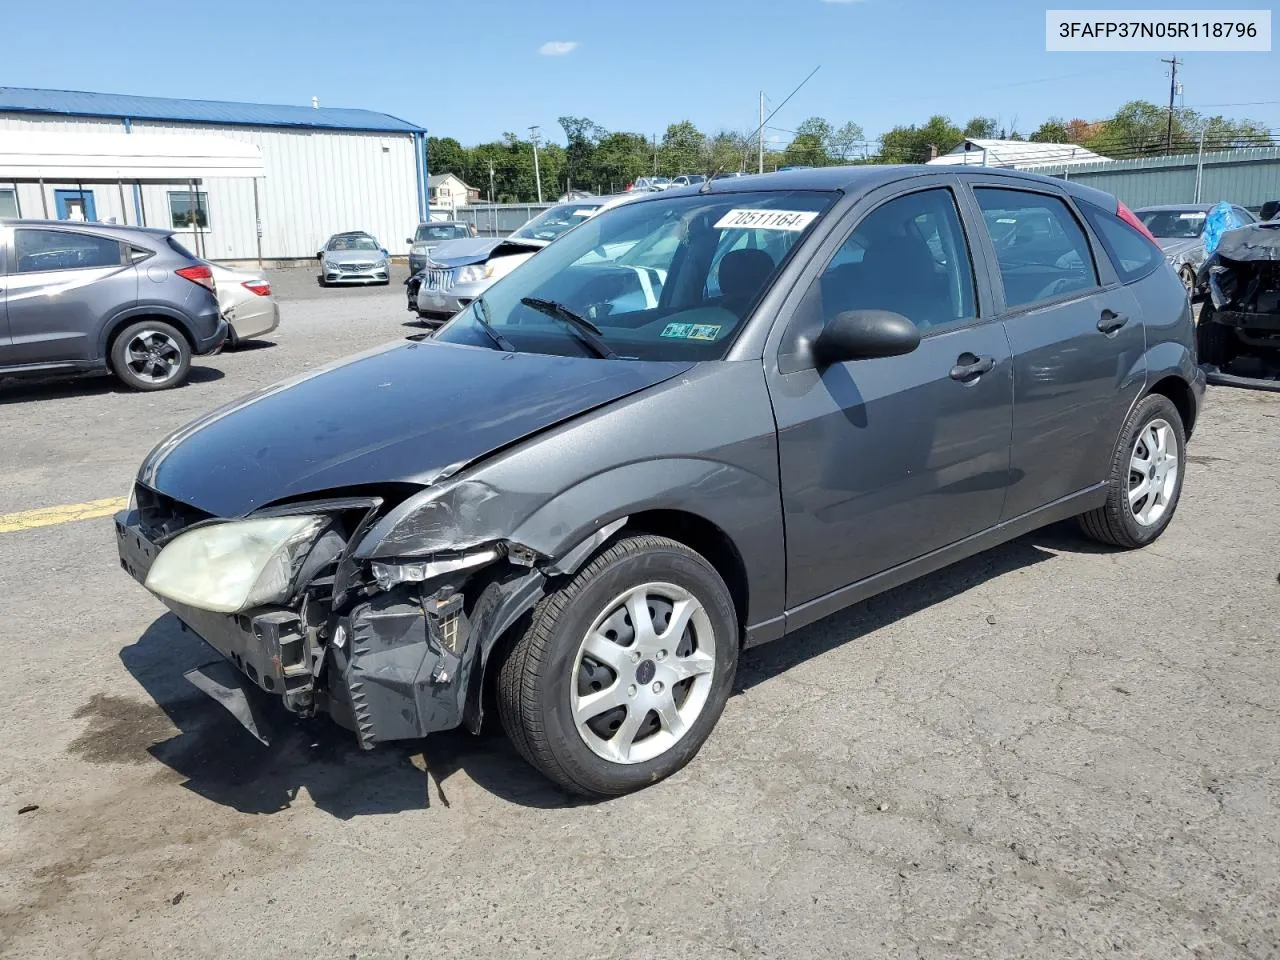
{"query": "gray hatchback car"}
pixel 88 298
pixel 693 424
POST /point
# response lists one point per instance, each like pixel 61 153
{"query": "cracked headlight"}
pixel 477 271
pixel 229 567
pixel 388 575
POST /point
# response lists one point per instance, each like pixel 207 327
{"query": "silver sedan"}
pixel 353 258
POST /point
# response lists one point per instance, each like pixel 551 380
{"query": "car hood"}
pixel 352 256
pixel 459 253
pixel 1173 246
pixel 403 413
pixel 1257 241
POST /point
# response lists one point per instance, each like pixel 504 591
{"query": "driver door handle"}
pixel 1110 321
pixel 969 367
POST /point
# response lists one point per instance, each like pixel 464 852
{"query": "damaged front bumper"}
pixel 391 661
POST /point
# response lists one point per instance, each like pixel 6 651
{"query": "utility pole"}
pixel 655 154
pixel 533 135
pixel 761 147
pixel 491 181
pixel 1173 90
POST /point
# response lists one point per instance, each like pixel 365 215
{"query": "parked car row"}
pixel 85 298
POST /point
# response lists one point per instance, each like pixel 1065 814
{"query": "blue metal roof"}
pixel 79 104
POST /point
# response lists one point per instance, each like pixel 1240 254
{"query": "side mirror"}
pixel 408 240
pixel 864 334
pixel 319 254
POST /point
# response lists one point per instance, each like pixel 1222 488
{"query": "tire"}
pixel 1188 277
pixel 1124 521
pixel 150 355
pixel 1216 345
pixel 548 670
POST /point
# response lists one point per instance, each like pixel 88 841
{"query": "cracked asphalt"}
pixel 1051 750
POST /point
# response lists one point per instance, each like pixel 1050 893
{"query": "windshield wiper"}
pixel 587 331
pixel 481 312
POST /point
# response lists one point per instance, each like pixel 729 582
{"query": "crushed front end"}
pixel 390 651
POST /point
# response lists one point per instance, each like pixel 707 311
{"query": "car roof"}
pixel 1162 207
pixel 441 223
pixel 86 225
pixel 863 178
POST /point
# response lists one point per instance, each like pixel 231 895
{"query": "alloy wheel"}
pixel 643 673
pixel 153 356
pixel 1153 472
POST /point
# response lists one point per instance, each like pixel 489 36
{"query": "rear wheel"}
pixel 1216 345
pixel 151 355
pixel 623 672
pixel 1146 477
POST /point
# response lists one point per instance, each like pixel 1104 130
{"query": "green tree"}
pixel 681 150
pixel 582 136
pixel 1139 127
pixel 445 155
pixel 843 144
pixel 1053 130
pixel 620 158
pixel 917 144
pixel 980 128
pixel 728 151
pixel 809 147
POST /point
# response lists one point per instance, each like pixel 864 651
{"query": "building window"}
pixel 8 202
pixel 186 213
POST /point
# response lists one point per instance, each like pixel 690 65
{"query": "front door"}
pixel 75 204
pixel 885 460
pixel 1077 339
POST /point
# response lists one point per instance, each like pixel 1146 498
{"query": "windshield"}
pixel 1174 224
pixel 669 279
pixel 352 243
pixel 440 231
pixel 551 223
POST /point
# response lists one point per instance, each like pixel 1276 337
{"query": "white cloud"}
pixel 558 48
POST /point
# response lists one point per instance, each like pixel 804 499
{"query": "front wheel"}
pixel 623 671
pixel 1188 277
pixel 151 355
pixel 1146 477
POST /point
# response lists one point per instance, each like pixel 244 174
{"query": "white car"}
pixel 458 271
pixel 246 302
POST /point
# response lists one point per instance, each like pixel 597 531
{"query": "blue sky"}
pixel 474 69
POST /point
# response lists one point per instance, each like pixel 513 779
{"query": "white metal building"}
pixel 324 170
pixel 1015 154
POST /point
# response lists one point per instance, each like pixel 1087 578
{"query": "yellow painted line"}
pixel 48 516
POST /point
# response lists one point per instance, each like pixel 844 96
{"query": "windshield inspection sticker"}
pixel 790 220
pixel 691 331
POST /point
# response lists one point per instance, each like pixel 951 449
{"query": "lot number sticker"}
pixel 792 221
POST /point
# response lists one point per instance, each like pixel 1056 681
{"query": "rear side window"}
pixel 39 250
pixel 1132 254
pixel 1041 248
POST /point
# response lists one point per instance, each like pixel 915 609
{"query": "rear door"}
pixel 1076 334
pixel 885 460
pixel 61 285
pixel 6 234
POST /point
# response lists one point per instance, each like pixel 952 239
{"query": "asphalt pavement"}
pixel 1050 750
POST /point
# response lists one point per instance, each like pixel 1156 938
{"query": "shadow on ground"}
pixel 222 762
pixel 16 390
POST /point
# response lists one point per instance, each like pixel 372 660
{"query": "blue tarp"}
pixel 1220 219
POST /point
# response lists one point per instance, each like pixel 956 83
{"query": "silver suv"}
pixel 95 298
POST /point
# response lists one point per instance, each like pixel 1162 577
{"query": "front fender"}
pixel 471 512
